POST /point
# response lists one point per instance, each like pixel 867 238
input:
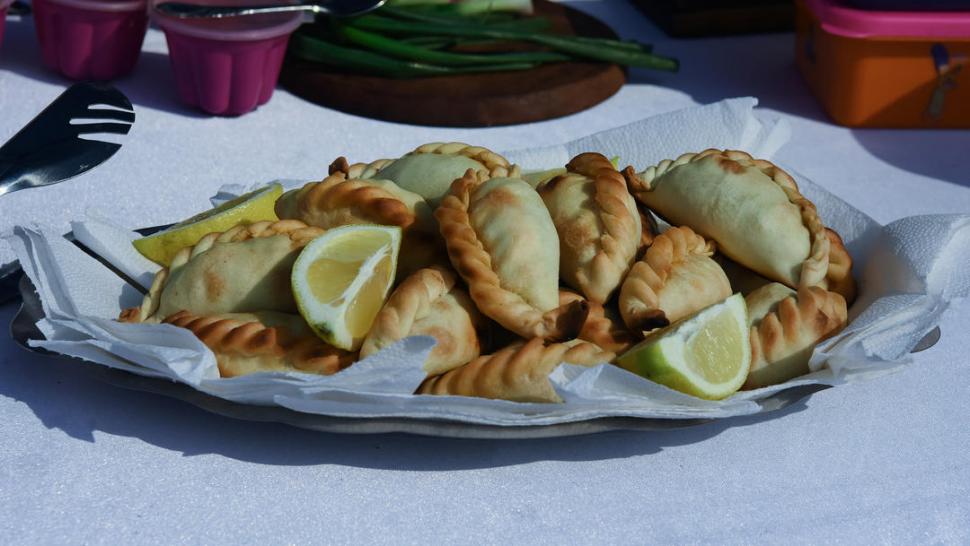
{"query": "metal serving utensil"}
pixel 335 8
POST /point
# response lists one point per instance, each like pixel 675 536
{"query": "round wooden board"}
pixel 474 100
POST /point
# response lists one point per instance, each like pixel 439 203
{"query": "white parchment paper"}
pixel 908 272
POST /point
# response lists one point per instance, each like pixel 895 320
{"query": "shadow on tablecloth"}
pixel 150 85
pixel 64 397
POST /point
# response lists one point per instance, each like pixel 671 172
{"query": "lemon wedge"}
pixel 341 279
pixel 254 206
pixel 707 355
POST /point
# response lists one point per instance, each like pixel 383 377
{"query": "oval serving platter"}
pixel 23 328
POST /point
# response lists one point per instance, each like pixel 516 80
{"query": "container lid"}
pixel 4 4
pixel 243 29
pixel 113 6
pixel 836 18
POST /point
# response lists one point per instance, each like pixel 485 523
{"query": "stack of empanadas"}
pixel 513 277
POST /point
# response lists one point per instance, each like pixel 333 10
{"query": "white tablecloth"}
pixel 887 461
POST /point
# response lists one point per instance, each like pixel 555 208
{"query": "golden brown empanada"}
pixel 263 342
pixel 244 269
pixel 838 278
pixel 337 201
pixel 519 372
pixel 751 208
pixel 503 243
pixel 431 168
pixel 675 278
pixel 598 225
pixel 785 327
pixel 428 303
pixel 603 327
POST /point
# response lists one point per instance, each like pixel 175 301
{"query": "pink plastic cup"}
pixel 90 39
pixel 4 4
pixel 227 66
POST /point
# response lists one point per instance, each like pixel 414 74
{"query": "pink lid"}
pixel 243 29
pixel 4 4
pixel 103 5
pixel 856 23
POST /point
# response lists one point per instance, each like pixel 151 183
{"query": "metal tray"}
pixel 23 328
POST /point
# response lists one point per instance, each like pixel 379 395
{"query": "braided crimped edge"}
pixel 410 301
pixel 337 191
pixel 838 278
pixel 815 266
pixel 798 322
pixel 228 337
pixel 474 264
pixel 495 165
pixel 357 170
pixel 519 372
pixel 599 329
pixel 298 232
pixel 619 227
pixel 640 293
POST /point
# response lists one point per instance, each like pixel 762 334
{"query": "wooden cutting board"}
pixel 473 100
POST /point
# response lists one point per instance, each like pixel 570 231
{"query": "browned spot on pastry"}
pixel 446 343
pixel 730 165
pixel 576 234
pixel 501 197
pixel 215 285
pixel 132 314
pixel 339 165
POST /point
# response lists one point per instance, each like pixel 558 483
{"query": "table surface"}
pixel 884 461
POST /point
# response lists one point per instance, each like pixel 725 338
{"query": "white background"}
pixel 886 461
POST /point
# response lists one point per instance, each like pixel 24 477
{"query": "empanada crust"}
pixel 675 278
pixel 431 168
pixel 751 208
pixel 244 269
pixel 597 222
pixel 337 201
pixel 519 372
pixel 504 246
pixel 602 327
pixel 248 343
pixel 782 340
pixel 429 303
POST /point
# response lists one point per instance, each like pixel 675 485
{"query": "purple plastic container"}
pixel 90 39
pixel 227 66
pixel 4 4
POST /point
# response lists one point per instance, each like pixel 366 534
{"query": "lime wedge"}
pixel 706 355
pixel 252 207
pixel 341 280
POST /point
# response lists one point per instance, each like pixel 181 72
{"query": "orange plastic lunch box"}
pixel 886 68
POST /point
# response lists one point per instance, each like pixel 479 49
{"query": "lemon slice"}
pixel 252 207
pixel 707 354
pixel 341 279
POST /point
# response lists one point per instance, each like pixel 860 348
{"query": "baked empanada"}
pixel 431 168
pixel 263 342
pixel 428 303
pixel 503 243
pixel 751 208
pixel 598 225
pixel 786 326
pixel 337 201
pixel 675 278
pixel 603 327
pixel 244 269
pixel 838 278
pixel 519 372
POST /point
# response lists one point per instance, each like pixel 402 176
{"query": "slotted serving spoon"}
pixel 50 149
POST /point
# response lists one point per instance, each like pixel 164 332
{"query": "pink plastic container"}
pixel 227 66
pixel 90 39
pixel 4 4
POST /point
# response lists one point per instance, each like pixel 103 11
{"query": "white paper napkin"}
pixel 909 272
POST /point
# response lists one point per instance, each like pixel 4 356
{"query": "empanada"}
pixel 786 326
pixel 674 279
pixel 431 168
pixel 338 200
pixel 519 372
pixel 428 303
pixel 503 243
pixel 603 327
pixel 244 269
pixel 263 342
pixel 751 208
pixel 598 225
